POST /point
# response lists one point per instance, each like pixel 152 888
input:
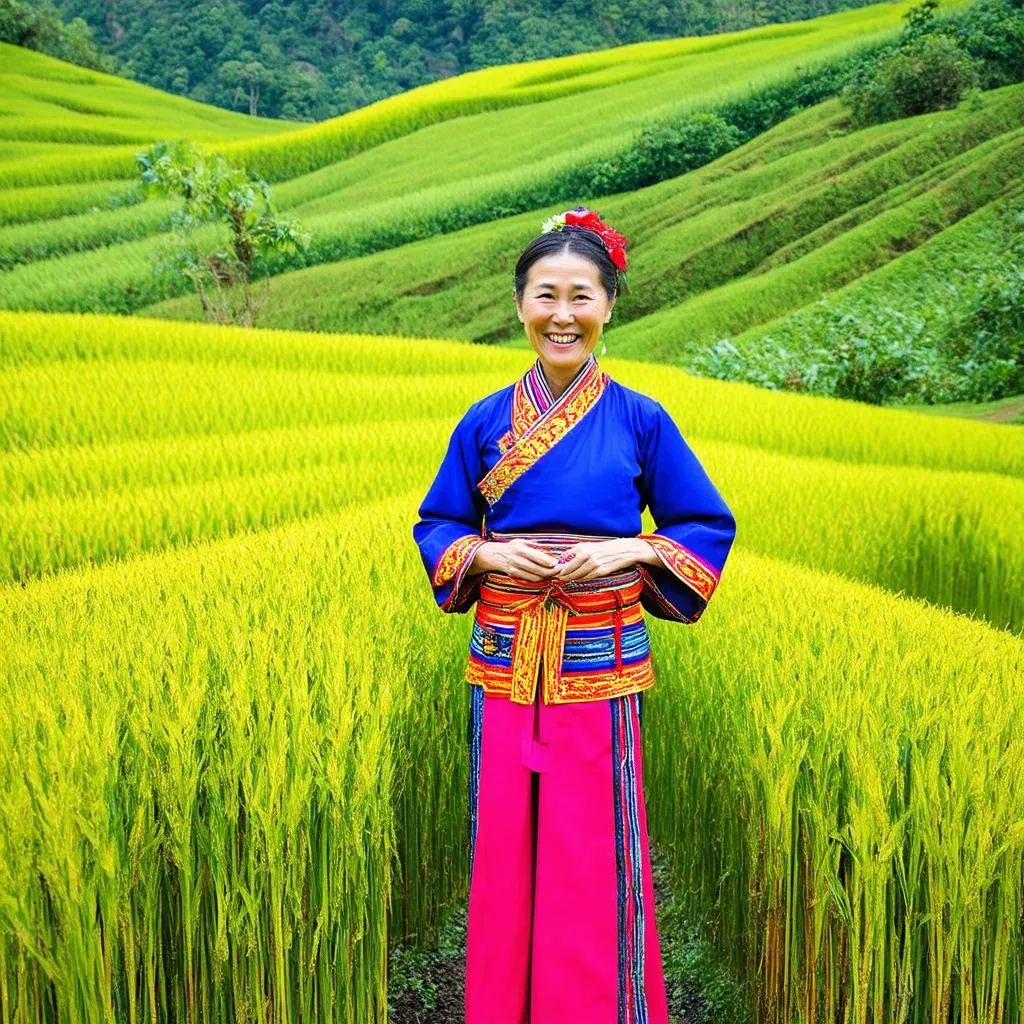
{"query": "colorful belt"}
pixel 543 610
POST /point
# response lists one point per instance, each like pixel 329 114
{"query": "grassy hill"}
pixel 426 162
pixel 731 264
pixel 804 209
pixel 63 123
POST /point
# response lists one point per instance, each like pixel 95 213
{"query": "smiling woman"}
pixel 535 516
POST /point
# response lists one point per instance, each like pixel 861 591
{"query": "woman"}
pixel 535 516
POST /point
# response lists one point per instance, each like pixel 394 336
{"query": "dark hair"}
pixel 570 239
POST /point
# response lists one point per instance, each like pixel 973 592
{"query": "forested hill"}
pixel 313 59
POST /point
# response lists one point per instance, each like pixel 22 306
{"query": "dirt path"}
pixel 1005 413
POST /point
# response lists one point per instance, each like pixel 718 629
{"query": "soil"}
pixel 445 977
pixel 1006 413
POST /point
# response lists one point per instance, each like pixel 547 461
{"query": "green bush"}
pixel 38 26
pixel 936 62
pixel 986 344
pixel 932 73
pixel 664 151
pixel 992 32
pixel 884 355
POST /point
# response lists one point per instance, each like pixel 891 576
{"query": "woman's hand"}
pixel 601 557
pixel 517 557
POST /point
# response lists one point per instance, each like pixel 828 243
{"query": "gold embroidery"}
pixel 542 619
pixel 453 556
pixel 524 413
pixel 574 688
pixel 684 564
pixel 541 439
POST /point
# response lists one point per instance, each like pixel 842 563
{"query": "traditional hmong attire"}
pixel 561 905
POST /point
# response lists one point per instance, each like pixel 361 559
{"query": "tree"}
pixel 217 193
pixel 248 75
pixel 39 27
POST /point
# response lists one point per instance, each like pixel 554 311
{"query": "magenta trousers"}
pixel 561 926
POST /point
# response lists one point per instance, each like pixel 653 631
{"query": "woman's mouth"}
pixel 560 338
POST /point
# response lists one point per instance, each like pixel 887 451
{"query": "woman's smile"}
pixel 561 337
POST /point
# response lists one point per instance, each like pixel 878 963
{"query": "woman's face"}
pixel 563 310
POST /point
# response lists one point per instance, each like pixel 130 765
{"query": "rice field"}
pixel 232 805
pixel 233 754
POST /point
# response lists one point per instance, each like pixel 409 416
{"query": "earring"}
pixel 604 347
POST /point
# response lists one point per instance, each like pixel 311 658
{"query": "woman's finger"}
pixel 539 556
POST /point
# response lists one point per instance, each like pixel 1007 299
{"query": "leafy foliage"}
pixel 885 355
pixel 937 63
pixel 39 27
pixel 309 59
pixel 215 192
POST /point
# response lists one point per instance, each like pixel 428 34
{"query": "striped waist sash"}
pixel 542 609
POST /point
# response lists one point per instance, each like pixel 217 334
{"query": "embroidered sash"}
pixel 540 422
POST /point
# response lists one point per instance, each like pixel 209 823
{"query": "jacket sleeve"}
pixel 450 526
pixel 694 530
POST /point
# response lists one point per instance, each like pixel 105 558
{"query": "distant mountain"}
pixel 312 59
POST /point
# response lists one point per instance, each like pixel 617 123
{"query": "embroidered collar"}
pixel 533 399
pixel 540 421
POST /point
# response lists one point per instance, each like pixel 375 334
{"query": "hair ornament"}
pixel 581 217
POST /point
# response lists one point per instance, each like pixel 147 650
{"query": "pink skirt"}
pixel 561 924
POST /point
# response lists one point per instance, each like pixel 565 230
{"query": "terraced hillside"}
pixel 233 756
pixel 807 209
pixel 429 161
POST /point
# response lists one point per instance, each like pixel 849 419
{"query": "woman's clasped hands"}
pixel 522 559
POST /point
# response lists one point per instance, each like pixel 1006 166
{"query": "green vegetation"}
pixel 1005 410
pixel 38 26
pixel 303 60
pixel 232 721
pixel 225 196
pixel 207 525
pixel 751 210
pixel 940 324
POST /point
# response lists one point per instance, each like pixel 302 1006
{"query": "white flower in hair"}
pixel 553 223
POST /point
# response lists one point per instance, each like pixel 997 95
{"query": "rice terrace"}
pixel 234 726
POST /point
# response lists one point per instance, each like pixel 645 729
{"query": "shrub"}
pixel 932 73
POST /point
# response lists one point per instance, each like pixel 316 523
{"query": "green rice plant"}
pixel 905 302
pixel 283 863
pixel 342 466
pixel 835 774
pixel 74 379
pixel 953 538
pixel 100 403
pixel 237 803
pixel 75 471
pixel 26 243
pixel 790 279
pixel 44 202
pixel 202 824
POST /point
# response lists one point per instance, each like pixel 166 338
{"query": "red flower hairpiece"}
pixel 581 217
